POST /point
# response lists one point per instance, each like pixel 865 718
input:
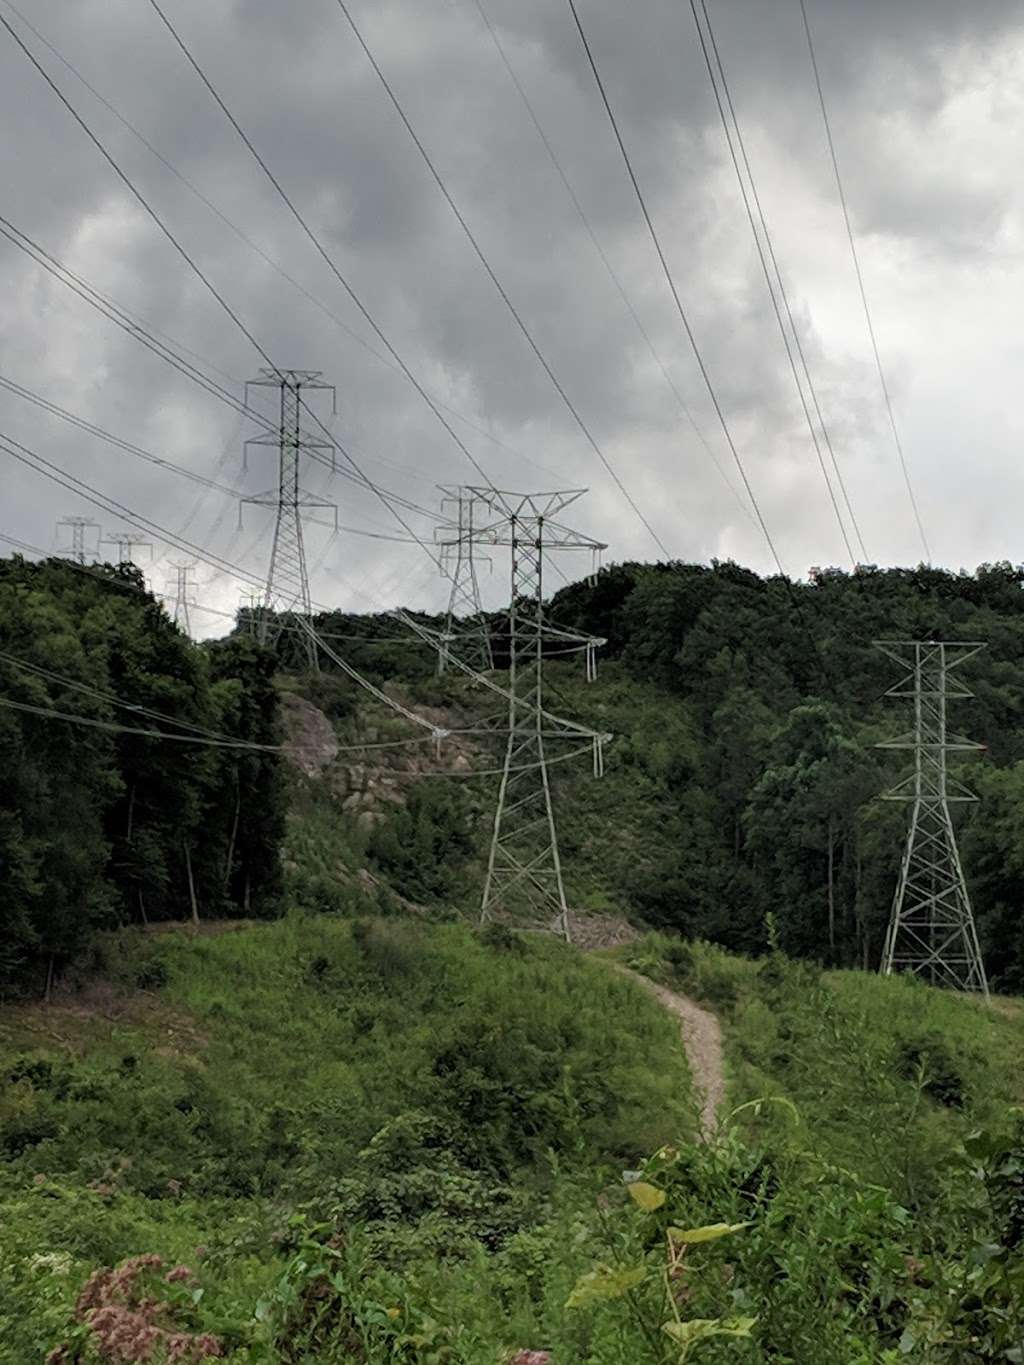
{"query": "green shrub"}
pixel 929 1058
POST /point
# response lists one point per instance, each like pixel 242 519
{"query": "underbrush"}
pixel 883 1076
pixel 383 1141
pixel 410 1080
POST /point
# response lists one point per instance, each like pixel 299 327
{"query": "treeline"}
pixel 776 788
pixel 100 824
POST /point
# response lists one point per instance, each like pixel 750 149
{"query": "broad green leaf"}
pixel 604 1282
pixel 647 1197
pixel 698 1329
pixel 706 1234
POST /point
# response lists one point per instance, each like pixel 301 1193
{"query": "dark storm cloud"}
pixel 925 105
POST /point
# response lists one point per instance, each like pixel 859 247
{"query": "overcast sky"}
pixel 926 99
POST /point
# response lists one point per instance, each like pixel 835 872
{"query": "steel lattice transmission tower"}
pixel 931 929
pixel 183 592
pixel 127 543
pixel 524 871
pixel 79 526
pixel 287 587
pixel 465 623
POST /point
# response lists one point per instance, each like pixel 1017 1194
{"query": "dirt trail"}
pixel 702 1041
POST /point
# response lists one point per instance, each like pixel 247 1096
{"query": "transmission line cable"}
pixel 502 291
pixel 253 245
pixel 773 275
pixel 595 240
pixel 92 722
pixel 95 572
pixel 114 313
pixel 101 694
pixel 317 244
pixel 43 466
pixel 137 193
pixel 162 462
pixel 33 460
pixel 897 442
pixel 321 249
pixel 705 374
pixel 211 288
pixel 49 470
pixel 194 265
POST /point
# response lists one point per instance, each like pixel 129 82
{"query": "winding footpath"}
pixel 702 1041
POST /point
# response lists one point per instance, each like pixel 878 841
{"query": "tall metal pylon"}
pixel 249 602
pixel 287 587
pixel 127 542
pixel 79 526
pixel 524 870
pixel 465 624
pixel 183 594
pixel 931 930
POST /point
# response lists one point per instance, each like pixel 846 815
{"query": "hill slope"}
pixel 390 1140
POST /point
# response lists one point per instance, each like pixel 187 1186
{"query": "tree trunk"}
pixel 49 980
pixel 858 911
pixel 131 814
pixel 248 888
pixel 831 888
pixel 142 908
pixel 228 862
pixel 191 885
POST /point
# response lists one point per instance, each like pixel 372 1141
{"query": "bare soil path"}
pixel 702 1040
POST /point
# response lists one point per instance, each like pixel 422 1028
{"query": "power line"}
pixel 135 192
pixel 503 293
pixel 162 462
pixel 114 727
pixel 415 774
pixel 159 349
pixel 320 248
pixel 775 270
pixel 860 283
pixel 196 268
pixel 116 314
pixel 97 572
pixel 612 273
pixel 670 280
pixel 249 242
pixel 672 288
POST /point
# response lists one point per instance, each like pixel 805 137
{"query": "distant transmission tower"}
pixel 183 592
pixel 127 543
pixel 931 930
pixel 287 587
pixel 79 526
pixel 250 603
pixel 524 870
pixel 465 622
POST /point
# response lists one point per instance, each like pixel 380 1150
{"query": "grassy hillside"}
pixel 234 1091
pixel 390 1140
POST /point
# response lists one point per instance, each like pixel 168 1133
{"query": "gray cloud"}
pixel 925 106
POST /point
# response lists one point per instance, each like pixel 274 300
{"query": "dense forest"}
pixel 743 789
pixel 102 824
pixel 745 780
